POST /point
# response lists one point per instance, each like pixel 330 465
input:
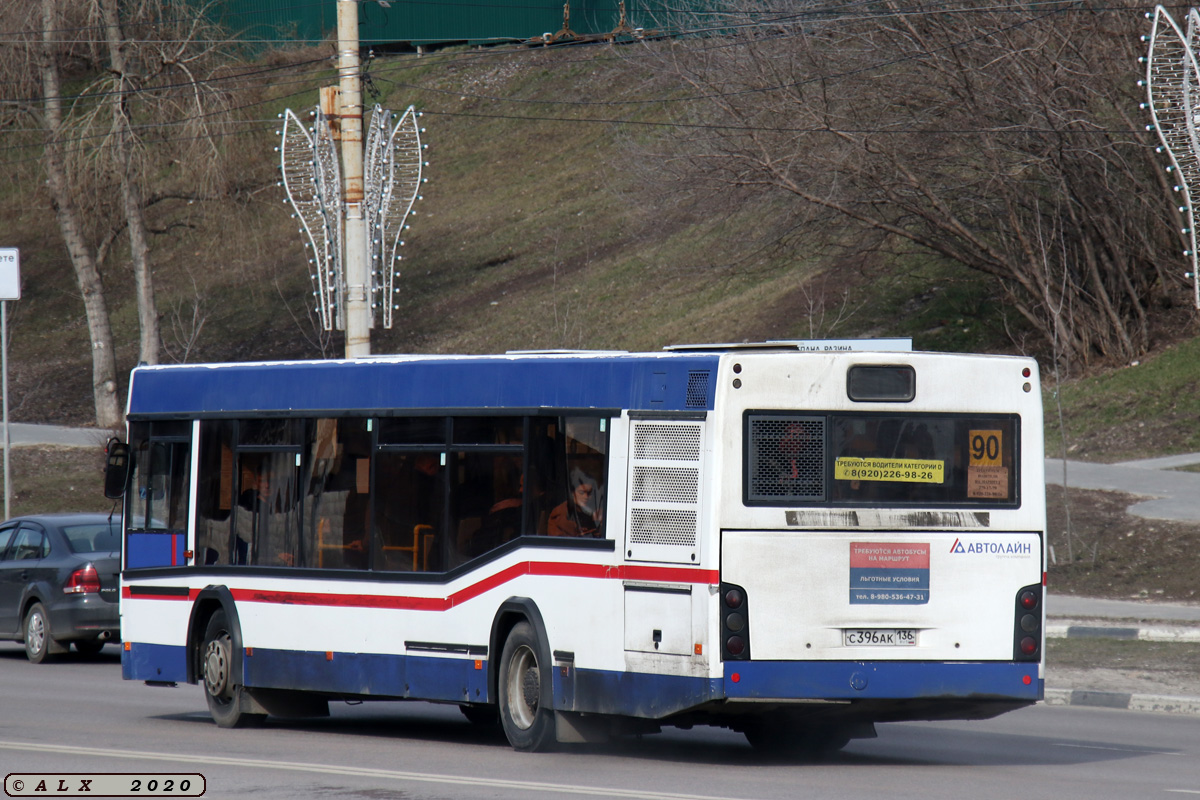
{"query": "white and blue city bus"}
pixel 793 540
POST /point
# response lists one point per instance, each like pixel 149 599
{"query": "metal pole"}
pixel 4 369
pixel 358 310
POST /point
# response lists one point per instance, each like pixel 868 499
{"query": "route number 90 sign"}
pixel 986 448
pixel 987 477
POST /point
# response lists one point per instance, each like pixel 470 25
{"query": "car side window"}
pixel 28 544
pixel 5 538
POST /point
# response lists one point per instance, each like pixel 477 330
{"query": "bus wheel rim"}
pixel 216 667
pixel 524 688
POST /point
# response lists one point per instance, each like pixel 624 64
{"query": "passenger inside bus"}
pixel 265 520
pixel 581 514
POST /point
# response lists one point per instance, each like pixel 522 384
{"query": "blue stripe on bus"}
pixel 454 680
pixel 891 680
pixel 633 694
pixel 606 692
pixel 154 662
pixel 143 550
pixel 416 677
pixel 636 382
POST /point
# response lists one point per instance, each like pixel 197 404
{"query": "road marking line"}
pixel 1183 791
pixel 1121 749
pixel 333 769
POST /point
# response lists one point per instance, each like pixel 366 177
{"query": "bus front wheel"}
pixel 216 661
pixel 527 723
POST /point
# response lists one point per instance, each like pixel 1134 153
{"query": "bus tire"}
pixel 527 722
pixel 225 699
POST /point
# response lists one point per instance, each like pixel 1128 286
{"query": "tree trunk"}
pixel 104 368
pixel 131 191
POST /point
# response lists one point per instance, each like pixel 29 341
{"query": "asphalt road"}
pixel 78 716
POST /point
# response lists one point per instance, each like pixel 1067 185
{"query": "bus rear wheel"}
pixel 216 661
pixel 527 723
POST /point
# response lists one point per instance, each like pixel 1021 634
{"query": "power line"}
pixel 453 58
pixel 1008 131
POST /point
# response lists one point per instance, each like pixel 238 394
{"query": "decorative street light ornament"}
pixel 391 181
pixel 312 181
pixel 1173 94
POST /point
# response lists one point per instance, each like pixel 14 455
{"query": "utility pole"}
pixel 358 309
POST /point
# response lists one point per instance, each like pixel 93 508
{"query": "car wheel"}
pixel 89 647
pixel 39 644
pixel 216 661
pixel 528 724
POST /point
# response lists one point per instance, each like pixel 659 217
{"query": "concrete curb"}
pixel 1156 633
pixel 1157 703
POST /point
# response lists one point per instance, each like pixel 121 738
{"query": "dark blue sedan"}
pixel 59 582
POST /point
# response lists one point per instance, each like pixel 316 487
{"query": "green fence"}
pixel 418 22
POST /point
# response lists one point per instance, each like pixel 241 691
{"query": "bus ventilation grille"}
pixel 664 491
pixel 786 462
pixel 665 484
pixel 660 526
pixel 697 389
pixel 667 442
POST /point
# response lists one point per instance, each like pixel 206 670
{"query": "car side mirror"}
pixel 116 469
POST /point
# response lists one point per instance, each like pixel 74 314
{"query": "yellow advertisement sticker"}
pixel 897 470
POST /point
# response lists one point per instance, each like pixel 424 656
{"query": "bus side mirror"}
pixel 116 469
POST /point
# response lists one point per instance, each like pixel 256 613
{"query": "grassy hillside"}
pixel 1144 409
pixel 541 228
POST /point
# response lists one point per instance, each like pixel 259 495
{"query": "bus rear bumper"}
pixel 881 680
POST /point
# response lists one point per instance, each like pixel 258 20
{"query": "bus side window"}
pixel 267 517
pixel 161 463
pixel 577 490
pixel 335 514
pixel 214 497
pixel 542 484
pixel 409 509
pixel 486 497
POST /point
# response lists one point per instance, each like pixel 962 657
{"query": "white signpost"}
pixel 10 289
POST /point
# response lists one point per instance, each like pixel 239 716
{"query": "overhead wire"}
pixel 1061 7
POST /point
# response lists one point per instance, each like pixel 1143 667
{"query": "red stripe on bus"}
pixel 411 603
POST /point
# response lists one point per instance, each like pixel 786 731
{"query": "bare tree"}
pixel 70 223
pixel 143 131
pixel 958 132
pixel 161 74
pixel 123 81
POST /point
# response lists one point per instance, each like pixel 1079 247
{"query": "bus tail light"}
pixel 1027 631
pixel 84 580
pixel 735 623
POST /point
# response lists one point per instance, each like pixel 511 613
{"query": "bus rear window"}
pixel 881 459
